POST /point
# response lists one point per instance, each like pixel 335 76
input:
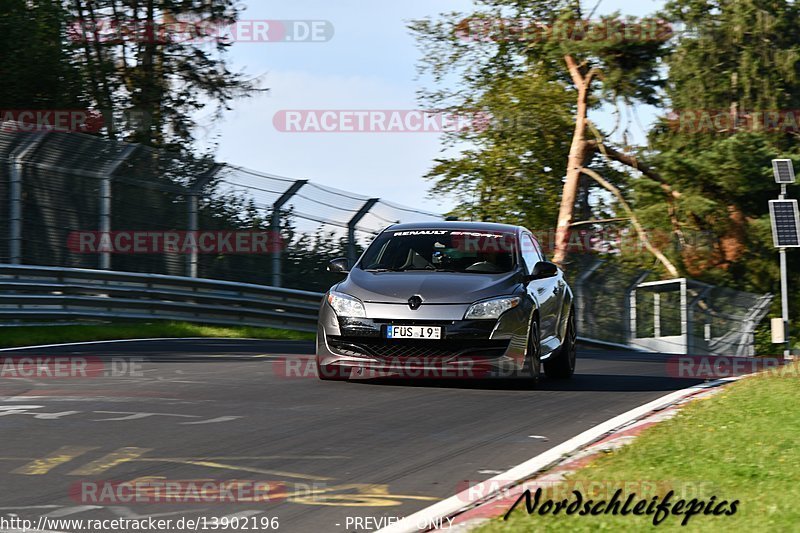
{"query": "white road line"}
pixel 495 485
pixel 118 341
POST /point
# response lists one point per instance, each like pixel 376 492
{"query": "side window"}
pixel 530 253
pixel 539 249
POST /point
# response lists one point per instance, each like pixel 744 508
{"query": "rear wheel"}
pixel 561 365
pixel 532 368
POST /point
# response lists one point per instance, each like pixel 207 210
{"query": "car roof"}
pixel 457 225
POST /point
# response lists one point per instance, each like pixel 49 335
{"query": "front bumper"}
pixel 468 348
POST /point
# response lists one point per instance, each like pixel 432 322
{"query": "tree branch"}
pixel 631 161
pixel 634 220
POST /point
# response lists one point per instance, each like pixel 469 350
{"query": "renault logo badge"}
pixel 415 302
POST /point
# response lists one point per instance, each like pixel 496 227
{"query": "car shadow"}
pixel 578 383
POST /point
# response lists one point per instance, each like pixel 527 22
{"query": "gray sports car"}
pixel 451 300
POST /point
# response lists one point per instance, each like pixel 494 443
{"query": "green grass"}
pixel 12 337
pixel 741 444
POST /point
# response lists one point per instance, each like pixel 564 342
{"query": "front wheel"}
pixel 532 368
pixel 561 365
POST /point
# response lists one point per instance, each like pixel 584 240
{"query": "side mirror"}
pixel 340 265
pixel 543 270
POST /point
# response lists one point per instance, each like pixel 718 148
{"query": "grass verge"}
pixel 741 444
pixel 13 337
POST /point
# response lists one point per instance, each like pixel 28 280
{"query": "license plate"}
pixel 413 332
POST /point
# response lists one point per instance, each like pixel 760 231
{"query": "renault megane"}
pixel 448 299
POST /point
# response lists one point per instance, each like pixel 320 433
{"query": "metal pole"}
pixel 15 213
pixel 630 295
pixel 16 160
pixel 580 296
pixel 657 315
pixel 685 326
pixel 105 202
pixel 192 227
pixel 787 351
pixel 785 304
pixel 275 230
pixel 193 201
pixel 351 229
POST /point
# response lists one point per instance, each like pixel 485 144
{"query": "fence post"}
pixel 630 296
pixel 580 297
pixel 687 319
pixel 351 229
pixel 105 200
pixel 192 200
pixel 16 160
pixel 275 230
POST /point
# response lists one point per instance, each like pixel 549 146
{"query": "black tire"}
pixel 561 365
pixel 332 372
pixel 532 369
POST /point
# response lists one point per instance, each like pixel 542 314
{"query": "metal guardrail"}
pixel 47 294
pixel 34 294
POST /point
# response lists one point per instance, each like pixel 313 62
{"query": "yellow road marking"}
pixel 365 495
pixel 237 458
pixel 212 464
pixel 116 458
pixel 42 466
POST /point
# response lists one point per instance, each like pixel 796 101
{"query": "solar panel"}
pixel 785 223
pixel 783 170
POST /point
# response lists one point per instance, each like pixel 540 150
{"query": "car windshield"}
pixel 442 251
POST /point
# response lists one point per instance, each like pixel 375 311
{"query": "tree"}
pixel 511 172
pixel 35 67
pixel 549 40
pixel 738 61
pixel 158 60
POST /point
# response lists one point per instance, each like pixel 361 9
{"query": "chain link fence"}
pixel 74 200
pixel 79 201
pixel 629 307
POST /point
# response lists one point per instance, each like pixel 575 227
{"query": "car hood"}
pixel 433 287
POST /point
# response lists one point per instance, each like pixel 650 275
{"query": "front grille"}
pixel 393 349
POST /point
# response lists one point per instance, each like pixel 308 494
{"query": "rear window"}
pixel 442 250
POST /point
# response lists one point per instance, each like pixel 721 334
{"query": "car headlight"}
pixel 492 308
pixel 346 306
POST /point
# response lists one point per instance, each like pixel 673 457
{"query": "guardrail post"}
pixel 16 161
pixel 351 229
pixel 192 199
pixel 105 200
pixel 275 230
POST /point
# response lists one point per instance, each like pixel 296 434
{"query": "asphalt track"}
pixel 226 410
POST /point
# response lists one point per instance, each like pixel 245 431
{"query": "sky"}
pixel 369 63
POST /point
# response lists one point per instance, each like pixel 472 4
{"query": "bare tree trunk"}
pixel 577 154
